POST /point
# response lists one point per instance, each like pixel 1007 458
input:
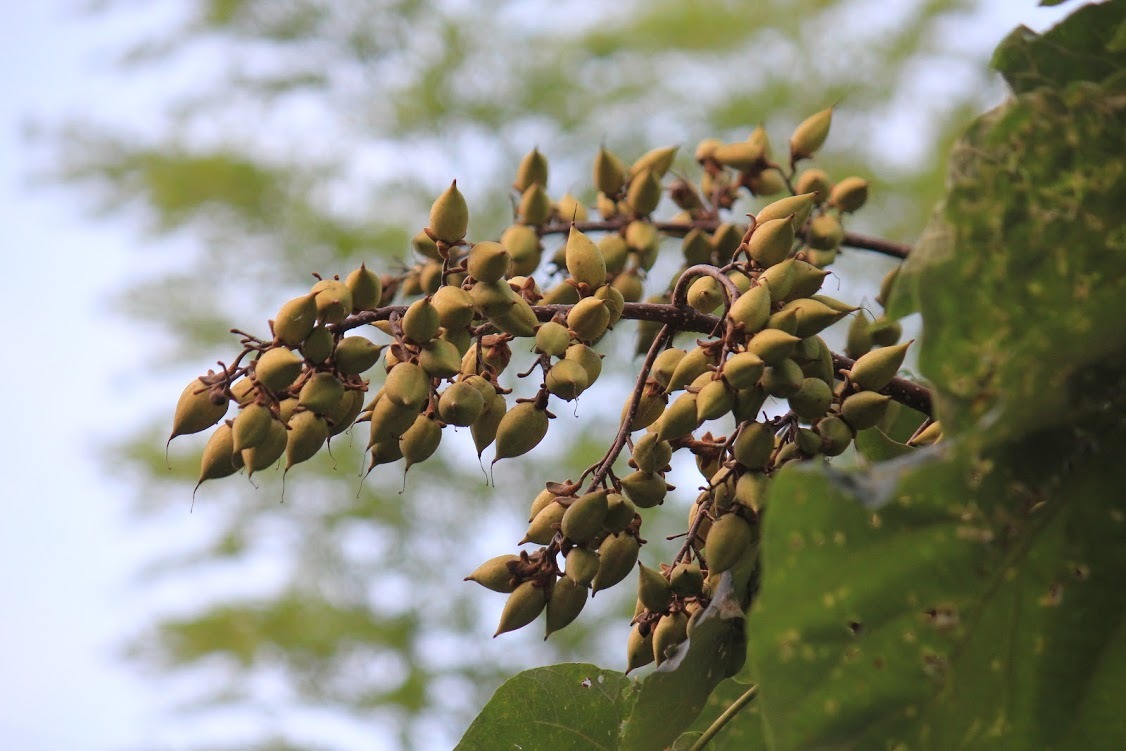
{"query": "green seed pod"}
pixel 696 247
pixel 321 393
pixel 875 370
pixel 670 631
pixel 686 579
pixel 296 320
pixel 619 512
pixel 814 316
pixel 705 295
pixel 714 401
pixel 645 489
pixel 197 411
pixel 519 320
pixel 649 409
pixel 588 358
pixel 617 556
pixel 812 400
pixel 535 206
pixel 449 216
pixel 276 369
pixel 750 491
pixel 930 435
pixel 753 446
pixel 355 355
pixel 788 453
pixel 460 404
pixel 341 417
pixel 689 367
pixel 810 135
pixel 287 408
pixel 532 171
pixel 835 434
pixel 495 574
pixel 523 244
pixel 639 649
pixel 614 252
pixel 523 606
pixel 771 241
pixel 644 240
pixel 584 518
pixel 705 150
pixel 886 285
pixel 564 605
pixel 484 429
pixel 808 442
pixel 421 440
pixel 885 333
pixel 219 456
pixel 552 339
pixel 251 426
pixel 269 450
pixel 307 433
pixel 741 281
pixel 825 233
pixel 582 565
pixel 784 320
pixel 542 528
pixel 748 402
pixel 420 323
pixel 588 319
pixel 385 452
pixel 656 160
pixel 741 155
pixel 759 140
pixel 540 502
pixel 679 420
pixel 859 341
pixel 665 365
pixel 615 302
pixel 784 379
pixel 570 209
pixel 726 240
pixel 767 183
pixel 584 260
pixel 752 308
pixel 864 409
pixel 796 207
pixel 424 246
pixel 390 420
pixel 243 391
pixel 454 307
pixel 520 430
pixel 821 258
pixel 742 370
pixel 566 379
pixel 728 540
pixel 849 194
pixel 440 359
pixel 318 346
pixel 651 454
pixel 772 346
pixel 721 483
pixel 644 192
pixel 407 385
pixel 807 280
pixel 609 172
pixel 366 288
pixel 821 365
pixel 814 181
pixel 333 300
pixel 561 294
pixel 488 262
pixel 779 278
pixel 653 590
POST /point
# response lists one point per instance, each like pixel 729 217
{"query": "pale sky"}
pixel 68 549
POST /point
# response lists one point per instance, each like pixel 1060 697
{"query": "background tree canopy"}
pixel 302 137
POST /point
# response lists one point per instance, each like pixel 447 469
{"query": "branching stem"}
pixel 747 697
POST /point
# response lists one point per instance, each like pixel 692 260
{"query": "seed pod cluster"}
pixel 445 330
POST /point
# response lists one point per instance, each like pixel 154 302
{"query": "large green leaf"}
pixel 980 608
pixel 570 707
pixel 1021 279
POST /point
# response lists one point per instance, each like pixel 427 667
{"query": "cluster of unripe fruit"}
pixel 753 290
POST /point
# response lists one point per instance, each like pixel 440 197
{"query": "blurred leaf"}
pixel 875 446
pixel 570 707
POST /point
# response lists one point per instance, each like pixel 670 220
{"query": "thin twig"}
pixel 747 697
